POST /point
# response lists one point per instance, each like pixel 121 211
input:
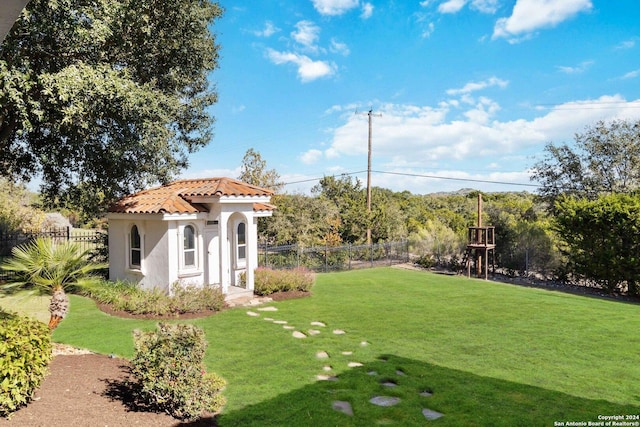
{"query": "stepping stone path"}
pixel 431 415
pixel 384 400
pixel 340 405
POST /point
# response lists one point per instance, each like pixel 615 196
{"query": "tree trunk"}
pixel 58 307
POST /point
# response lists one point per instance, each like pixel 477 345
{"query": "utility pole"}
pixel 370 114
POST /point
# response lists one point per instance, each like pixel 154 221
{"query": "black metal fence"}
pixel 86 239
pixel 333 258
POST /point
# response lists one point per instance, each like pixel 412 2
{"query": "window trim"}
pixel 241 261
pixel 131 248
pixel 192 250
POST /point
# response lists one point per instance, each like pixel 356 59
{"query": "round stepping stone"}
pixel 401 373
pixel 270 308
pixel 342 406
pixel 253 314
pixel 298 334
pixel 318 324
pixel 322 377
pixel 313 332
pixel 322 355
pixel 389 384
pixel 288 327
pixel 431 415
pixel 339 332
pixel 347 353
pixel 372 373
pixel 280 322
pixel 354 364
pixel 269 319
pixel 384 400
pixel 364 344
pixel 327 368
pixel 426 394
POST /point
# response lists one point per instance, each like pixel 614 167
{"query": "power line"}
pixel 418 176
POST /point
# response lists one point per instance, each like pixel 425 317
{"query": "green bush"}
pixel 168 365
pixel 426 261
pixel 25 346
pixel 268 281
pixel 129 297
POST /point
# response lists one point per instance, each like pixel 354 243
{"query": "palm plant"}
pixel 51 268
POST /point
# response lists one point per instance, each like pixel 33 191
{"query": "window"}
pixel 135 248
pixel 189 246
pixel 241 237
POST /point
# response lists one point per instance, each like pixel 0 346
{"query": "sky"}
pixel 462 93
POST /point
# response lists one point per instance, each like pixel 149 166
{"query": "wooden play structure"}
pixel 481 245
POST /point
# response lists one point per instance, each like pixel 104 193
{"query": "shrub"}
pixel 426 261
pixel 190 299
pixel 268 281
pixel 128 297
pixel 168 365
pixel 25 346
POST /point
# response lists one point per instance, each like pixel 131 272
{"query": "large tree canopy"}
pixel 605 159
pixel 99 98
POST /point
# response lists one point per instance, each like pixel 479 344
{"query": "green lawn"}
pixel 491 354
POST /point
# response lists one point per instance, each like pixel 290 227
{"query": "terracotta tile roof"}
pixel 259 207
pixel 175 196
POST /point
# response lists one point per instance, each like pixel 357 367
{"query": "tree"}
pixel 101 98
pixel 602 239
pixel 17 210
pixel 51 268
pixel 254 171
pixel 605 159
pixel 350 199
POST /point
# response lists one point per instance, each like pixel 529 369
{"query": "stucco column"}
pixel 252 250
pixel 225 256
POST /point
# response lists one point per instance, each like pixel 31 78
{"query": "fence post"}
pixel 68 233
pixel 350 256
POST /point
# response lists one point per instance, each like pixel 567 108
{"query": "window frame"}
pixel 189 250
pixel 241 246
pixel 137 249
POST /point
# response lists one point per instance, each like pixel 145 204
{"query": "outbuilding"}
pixel 193 232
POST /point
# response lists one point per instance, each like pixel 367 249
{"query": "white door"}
pixel 213 258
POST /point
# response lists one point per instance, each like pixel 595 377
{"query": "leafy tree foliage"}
pixel 17 210
pixel 102 98
pixel 602 239
pixel 254 171
pixel 605 159
pixel 349 198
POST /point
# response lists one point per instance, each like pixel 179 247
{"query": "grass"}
pixel 492 354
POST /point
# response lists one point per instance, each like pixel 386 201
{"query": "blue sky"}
pixel 463 89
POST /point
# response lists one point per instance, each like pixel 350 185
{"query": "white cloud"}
pixel 367 10
pixel 311 157
pixel 426 33
pixel 339 47
pixel 581 68
pixel 451 6
pixel 631 74
pixel 268 30
pixel 485 6
pixel 529 16
pixel 308 69
pixel 334 7
pixel 627 44
pixel 307 34
pixel 475 86
pixel 454 6
pixel 414 136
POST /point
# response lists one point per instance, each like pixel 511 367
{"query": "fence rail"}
pixel 86 239
pixel 333 258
